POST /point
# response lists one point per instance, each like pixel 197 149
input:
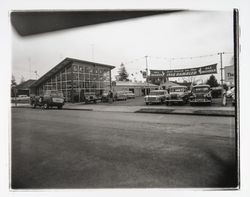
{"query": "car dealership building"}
pixel 75 77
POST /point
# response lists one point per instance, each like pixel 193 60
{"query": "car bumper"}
pixel 175 101
pixel 152 101
pixel 200 101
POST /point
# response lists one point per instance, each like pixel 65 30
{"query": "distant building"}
pixel 138 88
pixel 75 78
pixel 24 88
pixel 167 85
pixel 229 75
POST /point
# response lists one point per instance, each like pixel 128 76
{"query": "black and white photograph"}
pixel 123 99
pixel 128 99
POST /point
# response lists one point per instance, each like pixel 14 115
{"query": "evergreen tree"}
pixel 123 75
pixel 212 81
pixel 13 85
pixel 13 81
pixel 22 80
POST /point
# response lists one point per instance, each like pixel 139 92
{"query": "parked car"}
pixel 129 94
pixel 201 94
pixel 156 96
pixel 90 97
pixel 49 99
pixel 105 96
pixel 20 99
pixel 177 94
pixel 230 92
pixel 120 96
pixel 233 97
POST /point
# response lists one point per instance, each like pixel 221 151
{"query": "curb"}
pixel 195 113
pixel 219 113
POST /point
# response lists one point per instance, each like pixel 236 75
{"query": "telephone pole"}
pixel 221 67
pixel 146 57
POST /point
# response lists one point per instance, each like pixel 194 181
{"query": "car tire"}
pixel 147 103
pixel 59 107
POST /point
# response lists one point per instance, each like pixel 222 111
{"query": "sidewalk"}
pixel 158 109
pixel 162 109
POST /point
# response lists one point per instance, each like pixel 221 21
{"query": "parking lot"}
pixel 86 149
pixel 139 101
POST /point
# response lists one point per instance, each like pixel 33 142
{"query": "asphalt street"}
pixel 87 149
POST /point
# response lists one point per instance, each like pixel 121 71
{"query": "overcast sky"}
pixel 185 34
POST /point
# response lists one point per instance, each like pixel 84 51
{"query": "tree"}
pixel 22 80
pixel 13 81
pixel 122 73
pixel 212 81
pixel 13 85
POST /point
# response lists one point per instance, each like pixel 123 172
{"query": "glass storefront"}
pixel 77 79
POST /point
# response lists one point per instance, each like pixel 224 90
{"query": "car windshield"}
pixel 54 93
pixel 156 93
pixel 177 90
pixel 201 89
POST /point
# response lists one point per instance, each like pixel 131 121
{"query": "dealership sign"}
pixel 229 74
pixel 204 70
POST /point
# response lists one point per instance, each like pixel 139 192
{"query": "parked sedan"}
pixel 120 96
pixel 129 94
pixel 156 96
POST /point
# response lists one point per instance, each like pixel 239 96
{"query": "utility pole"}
pixel 146 57
pixel 29 68
pixel 221 67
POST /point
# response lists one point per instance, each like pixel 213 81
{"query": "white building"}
pixel 138 88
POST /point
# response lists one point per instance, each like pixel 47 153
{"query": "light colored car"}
pixel 156 96
pixel 230 92
pixel 177 94
pixel 129 94
pixel 201 94
pixel 22 98
pixel 120 96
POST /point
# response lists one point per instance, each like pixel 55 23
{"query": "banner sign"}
pixel 204 70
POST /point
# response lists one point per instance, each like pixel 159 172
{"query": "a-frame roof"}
pixel 62 65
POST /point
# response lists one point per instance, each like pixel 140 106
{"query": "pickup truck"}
pixel 49 99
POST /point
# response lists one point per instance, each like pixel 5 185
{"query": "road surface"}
pixel 86 149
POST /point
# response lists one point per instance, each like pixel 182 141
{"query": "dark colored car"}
pixel 50 98
pixel 105 97
pixel 90 97
pixel 177 94
pixel 201 94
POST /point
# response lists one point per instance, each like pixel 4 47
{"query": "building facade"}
pixel 139 89
pixel 75 78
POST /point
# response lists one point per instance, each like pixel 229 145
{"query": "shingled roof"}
pixel 61 66
pixel 26 84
